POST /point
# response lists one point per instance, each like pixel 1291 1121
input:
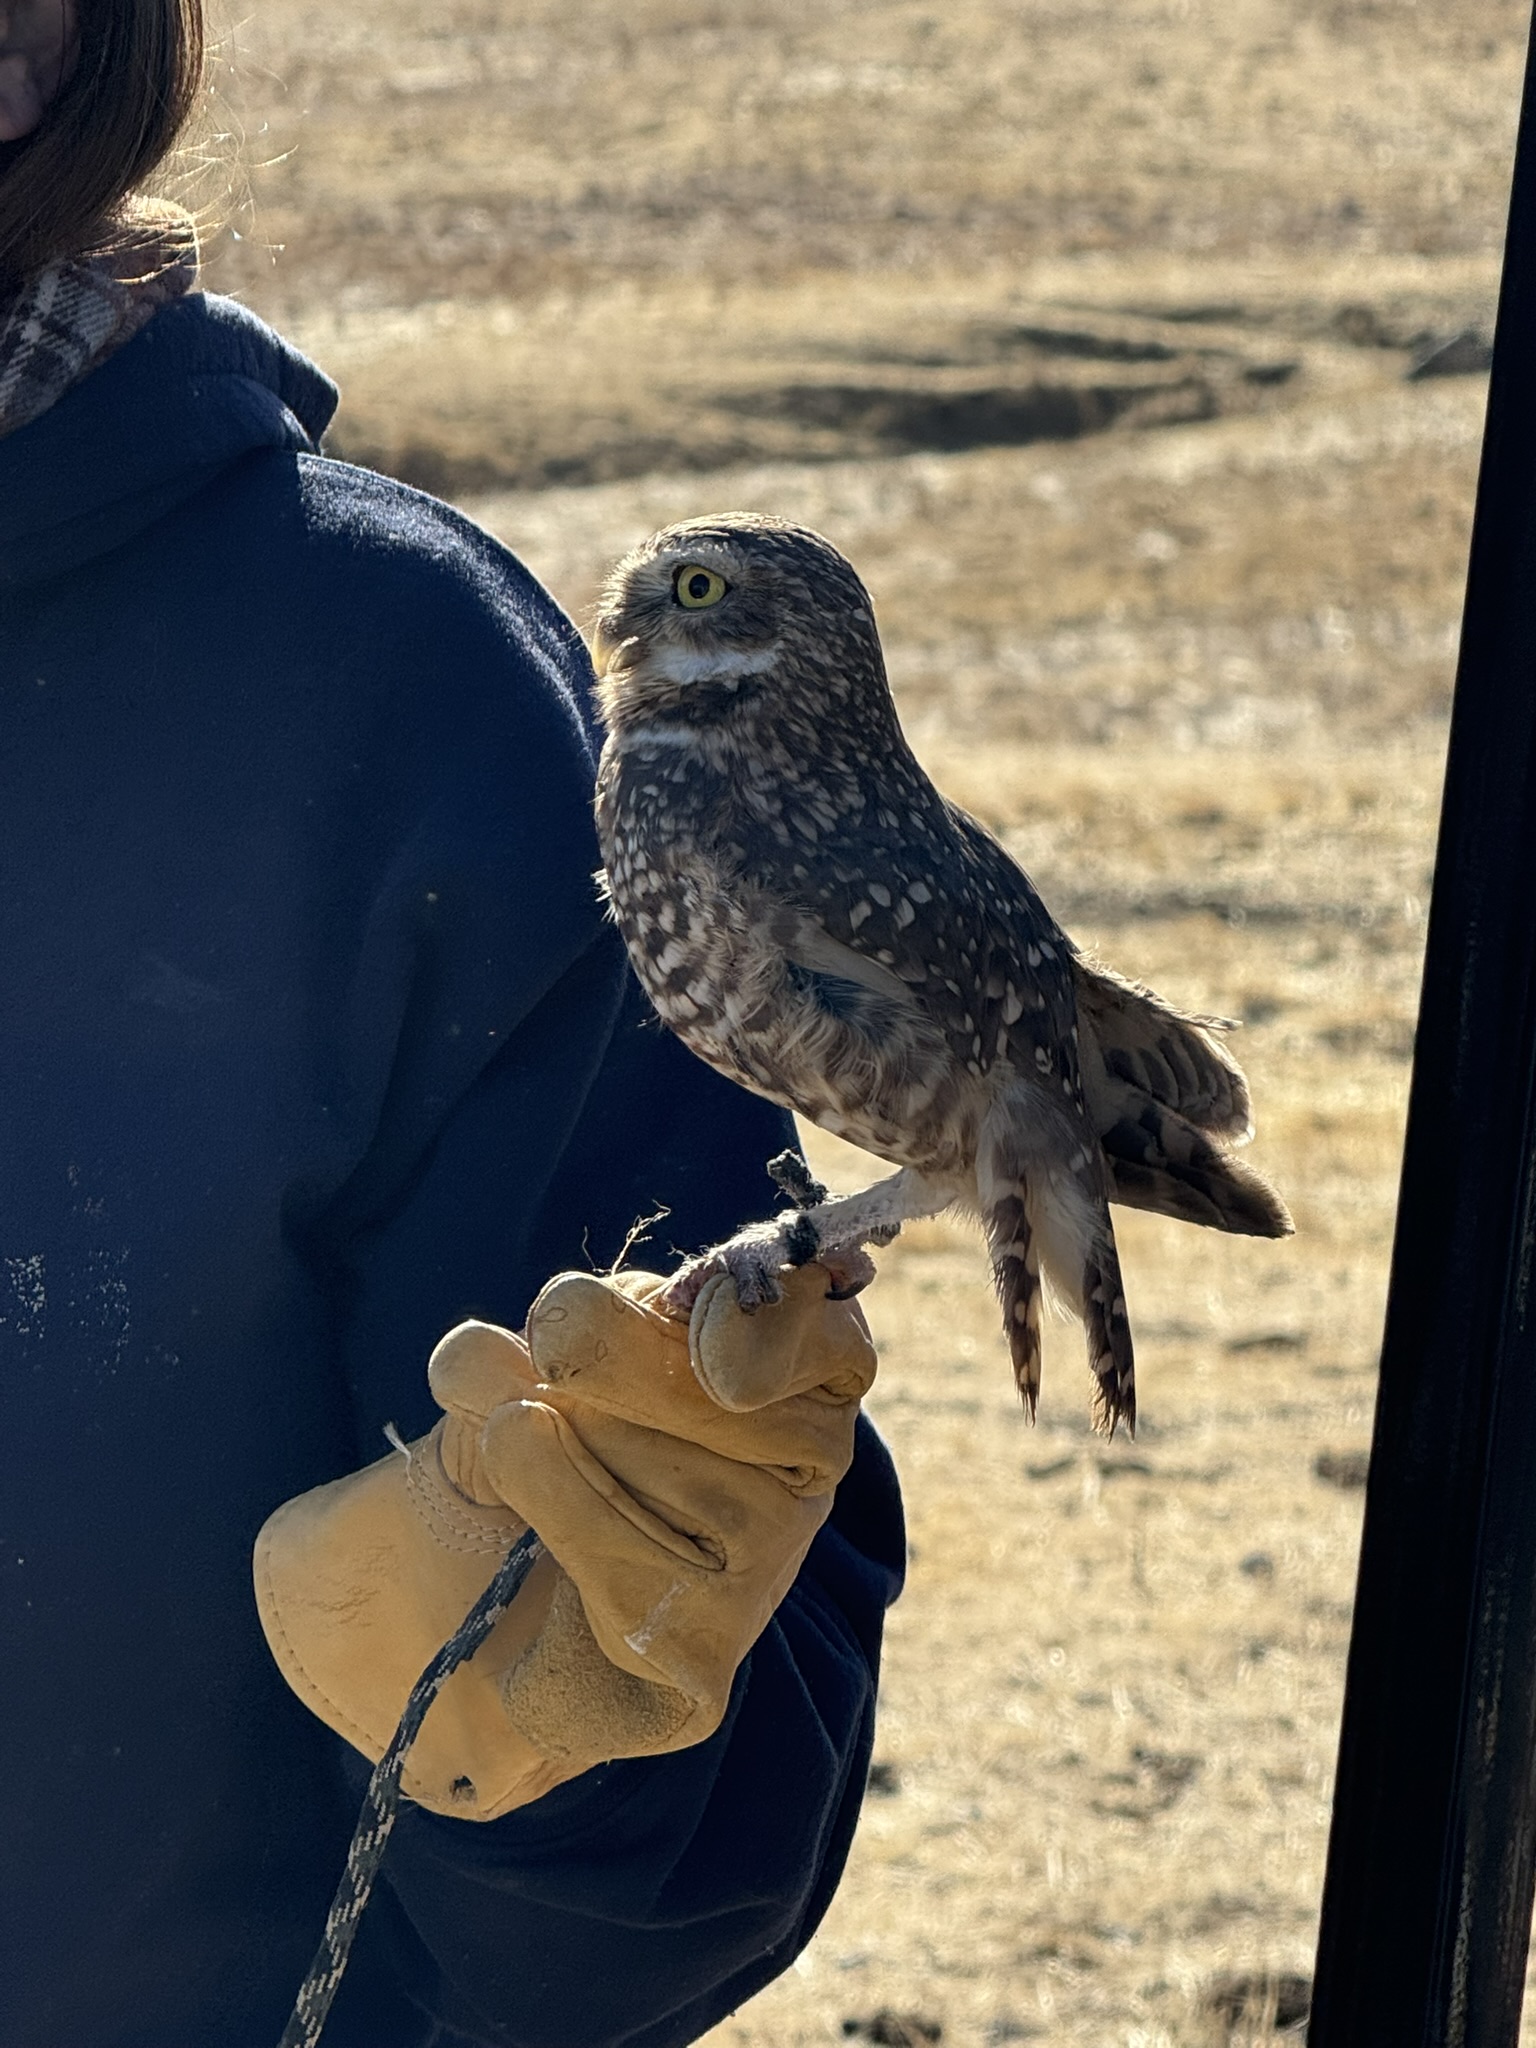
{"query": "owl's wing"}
pixel 926 902
pixel 810 946
pixel 1174 1058
pixel 1168 1102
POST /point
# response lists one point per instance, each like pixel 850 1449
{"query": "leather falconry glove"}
pixel 676 1473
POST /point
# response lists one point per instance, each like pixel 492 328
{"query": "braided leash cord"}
pixel 381 1802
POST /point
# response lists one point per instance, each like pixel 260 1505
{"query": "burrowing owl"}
pixel 815 920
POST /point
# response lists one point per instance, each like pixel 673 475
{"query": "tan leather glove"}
pixel 676 1473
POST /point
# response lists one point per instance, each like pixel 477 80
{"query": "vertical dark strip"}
pixel 1427 1902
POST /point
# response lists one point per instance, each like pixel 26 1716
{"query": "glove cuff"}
pixel 360 1583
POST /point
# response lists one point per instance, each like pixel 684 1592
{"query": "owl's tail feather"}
pixel 1158 1160
pixel 1110 1351
pixel 1016 1270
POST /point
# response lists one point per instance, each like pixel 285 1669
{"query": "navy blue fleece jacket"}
pixel 312 1042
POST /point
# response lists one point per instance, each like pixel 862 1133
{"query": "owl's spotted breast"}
pixel 881 864
pixel 735 962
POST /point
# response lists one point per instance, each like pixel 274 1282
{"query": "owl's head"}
pixel 710 616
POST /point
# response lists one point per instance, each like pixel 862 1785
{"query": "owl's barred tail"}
pixel 1016 1270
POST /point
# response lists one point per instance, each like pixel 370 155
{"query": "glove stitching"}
pixel 455 1523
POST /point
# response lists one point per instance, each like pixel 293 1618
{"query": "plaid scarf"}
pixel 75 314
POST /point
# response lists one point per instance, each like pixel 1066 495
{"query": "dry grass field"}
pixel 1086 330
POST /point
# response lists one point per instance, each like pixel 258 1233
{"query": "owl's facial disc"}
pixel 684 626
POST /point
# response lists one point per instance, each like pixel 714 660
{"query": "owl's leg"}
pixel 875 1214
pixel 832 1233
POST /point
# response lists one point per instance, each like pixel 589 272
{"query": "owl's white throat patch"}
pixel 722 665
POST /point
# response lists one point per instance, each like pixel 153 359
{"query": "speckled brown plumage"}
pixel 814 919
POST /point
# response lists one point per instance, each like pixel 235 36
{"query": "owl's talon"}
pixel 753 1261
pixel 684 1288
pixel 753 1266
pixel 757 1256
pixel 850 1269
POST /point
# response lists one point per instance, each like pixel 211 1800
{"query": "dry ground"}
pixel 1084 329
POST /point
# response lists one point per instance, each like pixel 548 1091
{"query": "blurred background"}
pixel 1135 352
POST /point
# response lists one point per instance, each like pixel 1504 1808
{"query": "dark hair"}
pixel 134 85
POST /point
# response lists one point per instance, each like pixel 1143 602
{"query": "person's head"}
pixel 93 95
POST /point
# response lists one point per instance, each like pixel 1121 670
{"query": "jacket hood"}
pixel 203 384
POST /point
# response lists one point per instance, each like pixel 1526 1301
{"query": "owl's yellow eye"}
pixel 697 588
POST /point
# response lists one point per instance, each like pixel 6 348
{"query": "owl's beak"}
pixel 606 651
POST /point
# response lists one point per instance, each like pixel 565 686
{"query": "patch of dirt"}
pixel 890 2029
pixel 877 419
pixel 1348 1470
pixel 1154 1780
pixel 1280 2001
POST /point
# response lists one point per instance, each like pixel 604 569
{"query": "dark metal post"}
pixel 1427 1903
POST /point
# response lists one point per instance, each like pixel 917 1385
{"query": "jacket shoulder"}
pixel 396 573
